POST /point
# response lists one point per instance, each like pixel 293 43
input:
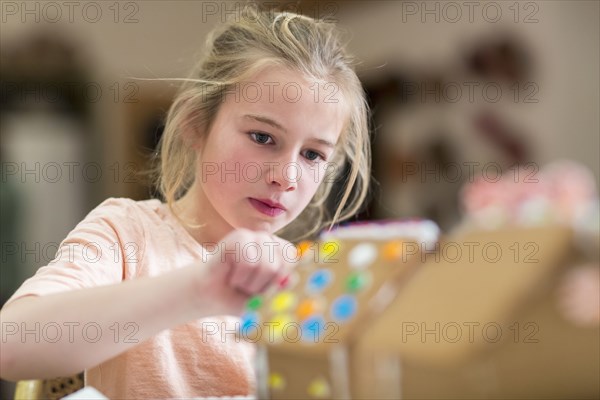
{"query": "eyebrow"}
pixel 324 142
pixel 266 120
pixel 277 125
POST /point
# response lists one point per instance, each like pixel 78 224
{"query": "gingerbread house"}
pixel 388 311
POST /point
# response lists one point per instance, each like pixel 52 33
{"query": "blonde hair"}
pixel 252 40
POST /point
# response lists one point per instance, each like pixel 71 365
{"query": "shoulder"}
pixel 120 218
pixel 120 209
pixel 121 223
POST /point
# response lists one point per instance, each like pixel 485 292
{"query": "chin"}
pixel 258 226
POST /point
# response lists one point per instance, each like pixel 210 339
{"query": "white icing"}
pixel 425 232
pixel 362 255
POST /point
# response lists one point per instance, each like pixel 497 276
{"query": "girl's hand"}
pixel 245 264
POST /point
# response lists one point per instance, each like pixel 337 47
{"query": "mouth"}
pixel 267 207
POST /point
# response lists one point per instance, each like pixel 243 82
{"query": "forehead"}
pixel 289 82
pixel 298 103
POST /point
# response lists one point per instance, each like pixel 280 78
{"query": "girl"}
pixel 146 296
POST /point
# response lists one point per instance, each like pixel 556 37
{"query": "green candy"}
pixel 254 303
pixel 355 282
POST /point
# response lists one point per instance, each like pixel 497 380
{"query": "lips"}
pixel 272 203
pixel 267 207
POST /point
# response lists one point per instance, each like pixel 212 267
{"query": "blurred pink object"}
pixel 487 201
pixel 572 187
pixel 561 192
pixel 579 295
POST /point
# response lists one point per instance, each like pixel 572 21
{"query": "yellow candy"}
pixel 276 381
pixel 283 301
pixel 329 249
pixel 319 388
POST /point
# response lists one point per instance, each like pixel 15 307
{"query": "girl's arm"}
pixel 92 322
pixel 56 335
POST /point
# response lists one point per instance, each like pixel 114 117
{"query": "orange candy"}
pixel 307 308
pixel 392 250
pixel 303 247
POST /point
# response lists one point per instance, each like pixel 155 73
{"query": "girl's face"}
pixel 267 151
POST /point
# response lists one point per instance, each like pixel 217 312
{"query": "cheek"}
pixel 226 168
pixel 242 160
pixel 318 174
pixel 222 179
pixel 312 178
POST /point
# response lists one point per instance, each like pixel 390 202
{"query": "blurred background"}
pixel 457 89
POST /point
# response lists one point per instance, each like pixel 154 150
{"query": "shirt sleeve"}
pixel 105 248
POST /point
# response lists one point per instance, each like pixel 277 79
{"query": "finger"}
pixel 239 268
pixel 288 251
pixel 269 269
pixel 242 274
pixel 261 281
pixel 220 269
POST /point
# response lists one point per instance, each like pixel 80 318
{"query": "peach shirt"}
pixel 197 359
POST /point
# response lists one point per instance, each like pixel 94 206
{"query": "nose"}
pixel 283 174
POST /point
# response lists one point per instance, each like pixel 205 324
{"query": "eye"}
pixel 313 155
pixel 260 138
